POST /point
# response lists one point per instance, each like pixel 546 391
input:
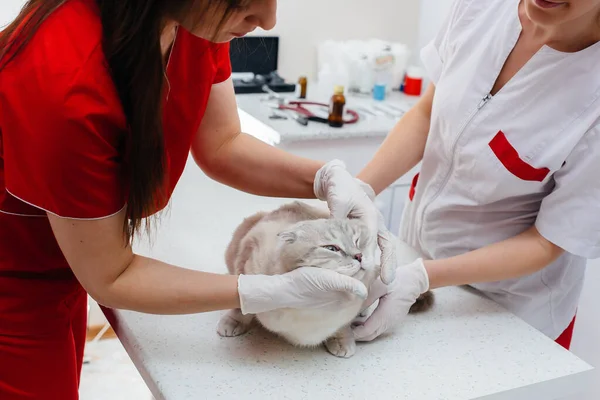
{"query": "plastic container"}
pixel 365 78
pixel 330 76
pixel 379 92
pixel 384 68
pixel 413 82
pixel 401 54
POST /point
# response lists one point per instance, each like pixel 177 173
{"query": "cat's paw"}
pixel 343 347
pixel 234 323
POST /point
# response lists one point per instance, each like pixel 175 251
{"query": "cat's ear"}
pixel 288 236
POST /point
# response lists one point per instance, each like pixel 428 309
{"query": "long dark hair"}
pixel 131 42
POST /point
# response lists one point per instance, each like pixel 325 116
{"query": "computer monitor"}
pixel 255 54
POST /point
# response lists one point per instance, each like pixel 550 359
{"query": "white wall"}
pixel 302 24
pixel 9 10
pixel 431 16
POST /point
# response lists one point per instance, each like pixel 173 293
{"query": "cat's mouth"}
pixel 351 270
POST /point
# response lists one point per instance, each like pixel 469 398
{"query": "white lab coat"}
pixel 495 166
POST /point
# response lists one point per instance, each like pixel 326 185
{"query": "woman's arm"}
pixel 243 162
pixel 104 264
pixel 518 256
pixel 115 277
pixel 403 148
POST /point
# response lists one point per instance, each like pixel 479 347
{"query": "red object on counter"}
pixel 413 81
pixel 412 86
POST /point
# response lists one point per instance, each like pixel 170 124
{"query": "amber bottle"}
pixel 303 82
pixel 336 107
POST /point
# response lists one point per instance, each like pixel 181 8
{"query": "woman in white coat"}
pixel 508 132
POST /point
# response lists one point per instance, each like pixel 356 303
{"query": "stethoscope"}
pixel 301 114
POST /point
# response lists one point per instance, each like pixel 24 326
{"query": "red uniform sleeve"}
pixel 63 138
pixel 222 62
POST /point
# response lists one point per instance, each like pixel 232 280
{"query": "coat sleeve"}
pixel 569 216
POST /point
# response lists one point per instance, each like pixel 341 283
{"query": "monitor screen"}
pixel 256 54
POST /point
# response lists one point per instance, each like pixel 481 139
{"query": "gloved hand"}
pixel 388 243
pixel 305 287
pixel 395 300
pixel 346 199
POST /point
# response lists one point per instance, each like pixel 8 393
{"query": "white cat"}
pixel 293 236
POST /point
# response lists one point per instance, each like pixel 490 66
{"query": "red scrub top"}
pixel 62 131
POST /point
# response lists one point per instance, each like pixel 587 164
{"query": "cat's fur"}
pixel 290 237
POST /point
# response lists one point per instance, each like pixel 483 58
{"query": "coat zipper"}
pixel 481 104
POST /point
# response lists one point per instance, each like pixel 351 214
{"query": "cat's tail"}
pixel 423 303
pixel 232 251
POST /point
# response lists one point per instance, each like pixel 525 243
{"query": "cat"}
pixel 292 236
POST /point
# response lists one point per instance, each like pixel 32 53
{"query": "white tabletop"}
pixel 376 119
pixel 467 347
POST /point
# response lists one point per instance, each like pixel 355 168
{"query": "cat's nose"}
pixel 358 257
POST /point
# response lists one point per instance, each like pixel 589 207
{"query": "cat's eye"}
pixel 332 248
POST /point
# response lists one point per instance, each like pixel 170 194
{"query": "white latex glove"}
pixel 305 287
pixel 346 198
pixel 388 243
pixel 395 300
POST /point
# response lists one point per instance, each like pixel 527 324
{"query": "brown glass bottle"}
pixel 303 82
pixel 336 107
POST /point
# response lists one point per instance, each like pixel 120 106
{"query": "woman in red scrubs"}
pixel 101 102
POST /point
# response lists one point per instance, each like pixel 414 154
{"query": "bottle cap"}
pixel 414 72
pixel 338 89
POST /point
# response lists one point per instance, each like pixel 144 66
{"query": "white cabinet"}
pixel 398 201
pixel 587 328
pixel 384 204
pixel 391 203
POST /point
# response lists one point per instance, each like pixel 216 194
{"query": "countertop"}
pixel 466 347
pixel 376 118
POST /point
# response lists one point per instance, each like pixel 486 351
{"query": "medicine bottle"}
pixel 336 107
pixel 302 82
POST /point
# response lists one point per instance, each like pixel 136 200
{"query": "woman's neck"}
pixel 571 36
pixel 167 38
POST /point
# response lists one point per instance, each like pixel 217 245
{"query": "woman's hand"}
pixel 305 287
pixel 395 300
pixel 393 253
pixel 520 255
pixel 346 199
